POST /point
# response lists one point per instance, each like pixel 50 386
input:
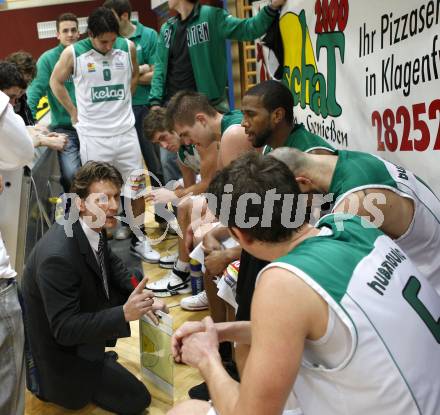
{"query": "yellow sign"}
pixel 292 35
pixel 42 108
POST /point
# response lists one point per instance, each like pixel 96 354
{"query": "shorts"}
pixel 121 151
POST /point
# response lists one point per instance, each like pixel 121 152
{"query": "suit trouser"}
pixel 12 368
pixel 120 391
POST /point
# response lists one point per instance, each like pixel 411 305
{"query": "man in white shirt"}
pixel 15 142
pixel 16 150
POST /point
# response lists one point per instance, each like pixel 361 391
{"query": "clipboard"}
pixel 156 359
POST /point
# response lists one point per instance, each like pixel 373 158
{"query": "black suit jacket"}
pixel 69 318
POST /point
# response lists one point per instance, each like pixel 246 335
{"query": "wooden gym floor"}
pixel 128 350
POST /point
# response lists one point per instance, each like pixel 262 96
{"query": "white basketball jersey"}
pixel 392 363
pixel 102 87
pixel 356 171
pixel 189 156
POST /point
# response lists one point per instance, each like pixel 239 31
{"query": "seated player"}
pixel 192 162
pixel 392 197
pixel 334 341
pixel 268 120
pixel 197 122
pixel 202 126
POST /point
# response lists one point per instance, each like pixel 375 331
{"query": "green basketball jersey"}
pixel 303 140
pixel 189 157
pixel 356 171
pixel 390 311
pixel 229 119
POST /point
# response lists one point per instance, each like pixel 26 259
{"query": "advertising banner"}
pixel 365 76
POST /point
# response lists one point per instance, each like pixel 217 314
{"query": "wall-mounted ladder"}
pixel 248 62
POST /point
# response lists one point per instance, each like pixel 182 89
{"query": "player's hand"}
pixel 54 141
pixel 210 243
pixel 144 68
pixel 162 195
pixel 201 346
pixel 183 331
pixel 216 262
pixel 1 184
pixel 139 302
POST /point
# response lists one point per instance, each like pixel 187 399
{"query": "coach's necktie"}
pixel 102 265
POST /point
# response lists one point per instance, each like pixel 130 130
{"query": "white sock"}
pixel 181 266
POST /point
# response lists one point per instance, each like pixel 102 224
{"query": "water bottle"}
pixel 196 276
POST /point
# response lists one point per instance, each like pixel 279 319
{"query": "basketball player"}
pixel 392 197
pixel 105 73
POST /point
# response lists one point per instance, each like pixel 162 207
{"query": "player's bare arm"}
pixel 233 144
pixel 276 346
pixel 135 68
pixel 61 73
pixel 390 212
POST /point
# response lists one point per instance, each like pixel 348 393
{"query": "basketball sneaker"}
pixel 195 302
pixel 168 260
pixel 174 283
pixel 144 251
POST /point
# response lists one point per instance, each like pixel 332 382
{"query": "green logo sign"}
pixel 108 93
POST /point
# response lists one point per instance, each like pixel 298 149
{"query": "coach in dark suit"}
pixel 79 299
